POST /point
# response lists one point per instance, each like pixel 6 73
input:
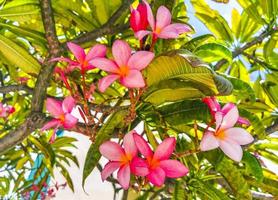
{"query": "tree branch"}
pixel 15 88
pixel 273 128
pixel 256 60
pixel 36 118
pixel 237 52
pixel 108 28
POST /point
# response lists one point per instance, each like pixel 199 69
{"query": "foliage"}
pixel 236 61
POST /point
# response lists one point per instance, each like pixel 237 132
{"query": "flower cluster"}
pixel 225 136
pixel 160 28
pixel 6 110
pixel 154 166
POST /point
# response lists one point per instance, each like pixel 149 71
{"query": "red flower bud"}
pixel 138 18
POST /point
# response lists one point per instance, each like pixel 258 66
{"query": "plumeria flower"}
pixel 61 112
pixel 226 136
pixel 5 111
pixel 125 67
pixel 158 162
pixel 215 107
pixel 162 27
pixel 119 158
pixel 138 17
pixel 82 59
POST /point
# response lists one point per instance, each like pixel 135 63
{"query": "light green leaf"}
pixel 212 52
pixel 213 20
pixel 105 133
pixel 19 56
pixel 252 166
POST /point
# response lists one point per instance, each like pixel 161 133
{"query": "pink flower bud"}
pixel 138 18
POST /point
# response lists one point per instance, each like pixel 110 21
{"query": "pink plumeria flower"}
pixel 226 136
pixel 158 162
pixel 215 107
pixel 125 67
pixel 138 17
pixel 162 27
pixel 119 158
pixel 82 59
pixel 5 111
pixel 61 112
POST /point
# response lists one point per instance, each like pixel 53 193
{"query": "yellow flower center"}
pixel 157 30
pixel 125 159
pixel 123 71
pixel 62 118
pixel 153 163
pixel 220 134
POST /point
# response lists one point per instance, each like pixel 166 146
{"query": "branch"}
pixel 15 88
pixel 237 52
pixel 256 60
pixel 273 128
pixel 108 28
pixel 36 118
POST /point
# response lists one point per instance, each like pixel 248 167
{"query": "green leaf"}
pixel 255 121
pixel 105 133
pixel 63 141
pixel 212 52
pixel 176 76
pixel 251 8
pixel 179 191
pixel 230 172
pixel 239 70
pixel 19 56
pixel 252 166
pixel 184 112
pixel 4 186
pixel 66 175
pixel 270 54
pixel 213 20
pixel 22 13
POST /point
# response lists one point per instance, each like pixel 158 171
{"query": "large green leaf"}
pixel 173 76
pixel 18 56
pixel 105 133
pixel 270 54
pixel 252 166
pixel 21 12
pixel 213 20
pixel 212 52
pixel 231 173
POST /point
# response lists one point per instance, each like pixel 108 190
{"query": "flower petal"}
pixel 141 34
pixel 157 176
pixel 121 52
pixel 231 149
pixel 150 15
pixel 213 104
pixel 52 123
pixel 168 32
pixel 230 118
pixel 109 168
pixel 123 176
pixel 106 81
pixel 180 28
pixel 227 107
pixel 54 107
pixel 209 142
pixel 239 135
pixel 173 168
pixel 77 51
pixel 218 116
pixel 133 80
pixel 70 121
pixel 139 167
pixel 129 144
pixel 165 149
pixel 68 104
pixel 163 17
pixel 140 60
pixel 242 120
pixel 105 64
pixel 142 145
pixel 111 150
pixel 99 50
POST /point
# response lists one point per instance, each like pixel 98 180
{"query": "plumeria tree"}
pixel 206 103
